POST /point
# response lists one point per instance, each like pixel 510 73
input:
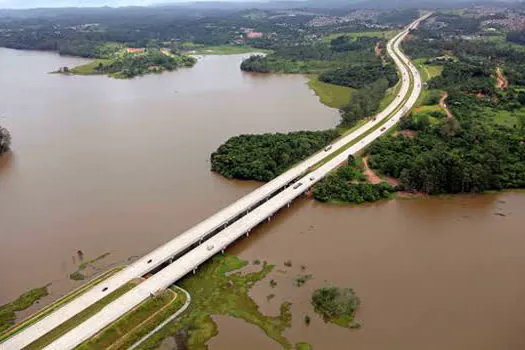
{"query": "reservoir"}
pixel 122 166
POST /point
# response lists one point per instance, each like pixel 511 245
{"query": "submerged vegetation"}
pixel 24 301
pixel 337 305
pixel 217 289
pixel 263 157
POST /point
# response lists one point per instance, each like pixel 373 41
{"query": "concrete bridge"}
pixel 186 252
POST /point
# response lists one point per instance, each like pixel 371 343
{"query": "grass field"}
pixel 428 71
pixel 220 50
pixel 55 305
pixel 89 68
pixel 503 117
pixel 333 96
pixel 137 323
pixel 79 318
pixel 388 34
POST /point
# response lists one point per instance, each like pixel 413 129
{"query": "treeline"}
pixel 517 37
pixel 131 65
pixel 5 140
pixel 348 185
pixel 264 157
pixel 334 188
pixel 364 102
pixel 359 75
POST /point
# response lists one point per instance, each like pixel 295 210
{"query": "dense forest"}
pixel 348 185
pixel 483 146
pixel 5 140
pixel 263 157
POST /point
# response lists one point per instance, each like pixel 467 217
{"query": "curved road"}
pixel 255 201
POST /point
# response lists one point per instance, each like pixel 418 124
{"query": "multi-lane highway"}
pixel 226 226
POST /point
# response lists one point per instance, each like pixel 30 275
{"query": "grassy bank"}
pixel 220 50
pixel 8 311
pixel 79 318
pixel 90 68
pixel 55 305
pixel 217 289
pixel 137 323
pixel 334 96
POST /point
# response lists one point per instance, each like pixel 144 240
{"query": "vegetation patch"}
pixel 336 305
pixel 56 304
pixel 79 318
pixel 129 65
pixel 303 346
pixel 78 275
pixel 264 157
pixel 218 290
pixel 5 140
pixel 348 185
pixel 8 311
pixel 334 96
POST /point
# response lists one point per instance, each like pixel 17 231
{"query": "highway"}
pixel 226 226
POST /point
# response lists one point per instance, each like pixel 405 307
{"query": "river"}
pixel 121 166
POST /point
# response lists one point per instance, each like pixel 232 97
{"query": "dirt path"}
pixel 370 174
pixel 378 50
pixel 501 82
pixel 443 105
pixel 373 178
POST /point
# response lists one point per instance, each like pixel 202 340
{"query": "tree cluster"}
pixel 358 76
pixel 466 154
pixel 364 102
pixel 130 65
pixel 335 303
pixel 263 157
pixel 5 140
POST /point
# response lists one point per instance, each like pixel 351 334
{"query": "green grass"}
pixel 428 71
pixel 217 289
pixel 89 68
pixel 390 95
pixel 57 304
pixel 303 346
pixel 137 323
pixel 74 321
pixel 334 96
pixel 503 117
pixel 388 34
pixel 7 311
pixel 220 50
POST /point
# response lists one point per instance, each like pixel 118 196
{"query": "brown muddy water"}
pixel 122 166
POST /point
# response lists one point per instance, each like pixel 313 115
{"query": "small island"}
pixel 5 140
pixel 127 63
pixel 337 305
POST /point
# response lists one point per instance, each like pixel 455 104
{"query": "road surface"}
pixel 235 215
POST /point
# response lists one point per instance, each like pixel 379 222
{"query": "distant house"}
pixel 135 50
pixel 254 35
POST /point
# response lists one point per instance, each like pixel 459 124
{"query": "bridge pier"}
pixel 288 205
pixel 269 218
